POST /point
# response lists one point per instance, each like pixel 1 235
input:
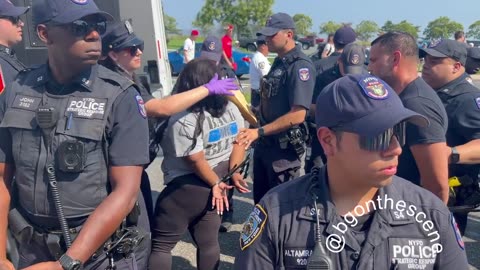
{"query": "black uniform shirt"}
pixel 326 63
pixel 419 97
pixel 296 87
pixel 462 103
pixel 323 79
pixel 126 125
pixel 407 224
pixel 10 64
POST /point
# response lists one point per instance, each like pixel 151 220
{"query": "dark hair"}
pixel 197 73
pixel 459 34
pixel 401 41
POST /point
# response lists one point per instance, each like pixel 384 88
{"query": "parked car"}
pixel 248 43
pixel 241 59
pixel 309 41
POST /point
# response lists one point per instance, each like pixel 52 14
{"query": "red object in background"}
pixel 235 66
pixel 245 59
pixel 2 82
pixel 319 40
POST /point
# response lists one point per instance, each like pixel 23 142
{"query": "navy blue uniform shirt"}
pixel 462 103
pixel 407 224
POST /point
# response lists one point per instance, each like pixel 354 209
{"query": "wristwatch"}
pixel 69 264
pixel 454 156
pixel 261 132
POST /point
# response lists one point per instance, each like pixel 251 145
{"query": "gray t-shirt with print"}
pixel 216 140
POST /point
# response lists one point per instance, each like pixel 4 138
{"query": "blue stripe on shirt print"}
pixel 217 134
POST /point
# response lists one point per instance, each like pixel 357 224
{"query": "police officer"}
pixel 123 49
pixel 343 36
pixel 286 94
pixel 444 71
pixel 472 66
pixel 259 67
pixel 350 61
pixel 10 34
pixel 77 136
pixel 394 58
pixel 354 213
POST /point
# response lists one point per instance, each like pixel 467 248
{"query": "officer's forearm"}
pixel 175 103
pixel 469 152
pixel 107 217
pixel 295 117
pixel 4 207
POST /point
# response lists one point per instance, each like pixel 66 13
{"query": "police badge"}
pixel 304 74
pixel 211 46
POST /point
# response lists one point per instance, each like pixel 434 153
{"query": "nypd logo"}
pixel 141 106
pixel 304 74
pixel 211 46
pixel 253 227
pixel 374 88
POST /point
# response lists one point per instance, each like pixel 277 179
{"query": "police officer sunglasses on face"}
pixel 81 28
pixel 13 20
pixel 382 141
pixel 132 49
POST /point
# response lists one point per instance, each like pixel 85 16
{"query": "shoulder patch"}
pixel 253 227
pixel 477 101
pixel 2 82
pixel 458 235
pixel 261 65
pixel 141 106
pixel 304 74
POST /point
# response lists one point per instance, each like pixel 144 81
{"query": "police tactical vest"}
pixel 83 117
pixel 275 96
pixel 8 55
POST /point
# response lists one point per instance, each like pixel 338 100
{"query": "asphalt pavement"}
pixel 185 252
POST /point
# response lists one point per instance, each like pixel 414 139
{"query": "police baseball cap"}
pixel 353 59
pixel 65 11
pixel 275 23
pixel 446 48
pixel 119 35
pixel 211 49
pixel 344 35
pixel 261 40
pixel 473 60
pixel 7 9
pixel 362 104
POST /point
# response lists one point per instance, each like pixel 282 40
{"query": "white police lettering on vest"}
pixel 87 107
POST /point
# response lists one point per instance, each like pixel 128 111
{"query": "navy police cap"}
pixel 120 35
pixel 362 104
pixel 446 48
pixel 212 48
pixel 65 11
pixel 275 23
pixel 7 9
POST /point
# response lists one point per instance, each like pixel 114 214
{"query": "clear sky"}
pixel 418 12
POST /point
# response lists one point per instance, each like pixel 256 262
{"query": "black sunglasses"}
pixel 80 28
pixel 133 49
pixel 382 141
pixel 13 20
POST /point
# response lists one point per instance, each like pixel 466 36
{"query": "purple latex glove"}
pixel 221 87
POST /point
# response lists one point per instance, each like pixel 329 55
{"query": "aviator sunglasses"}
pixel 382 141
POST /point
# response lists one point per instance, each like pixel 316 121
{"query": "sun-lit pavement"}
pixel 184 252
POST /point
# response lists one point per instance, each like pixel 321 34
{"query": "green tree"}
pixel 403 26
pixel 329 27
pixel 366 30
pixel 442 27
pixel 170 25
pixel 241 13
pixel 474 30
pixel 303 24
